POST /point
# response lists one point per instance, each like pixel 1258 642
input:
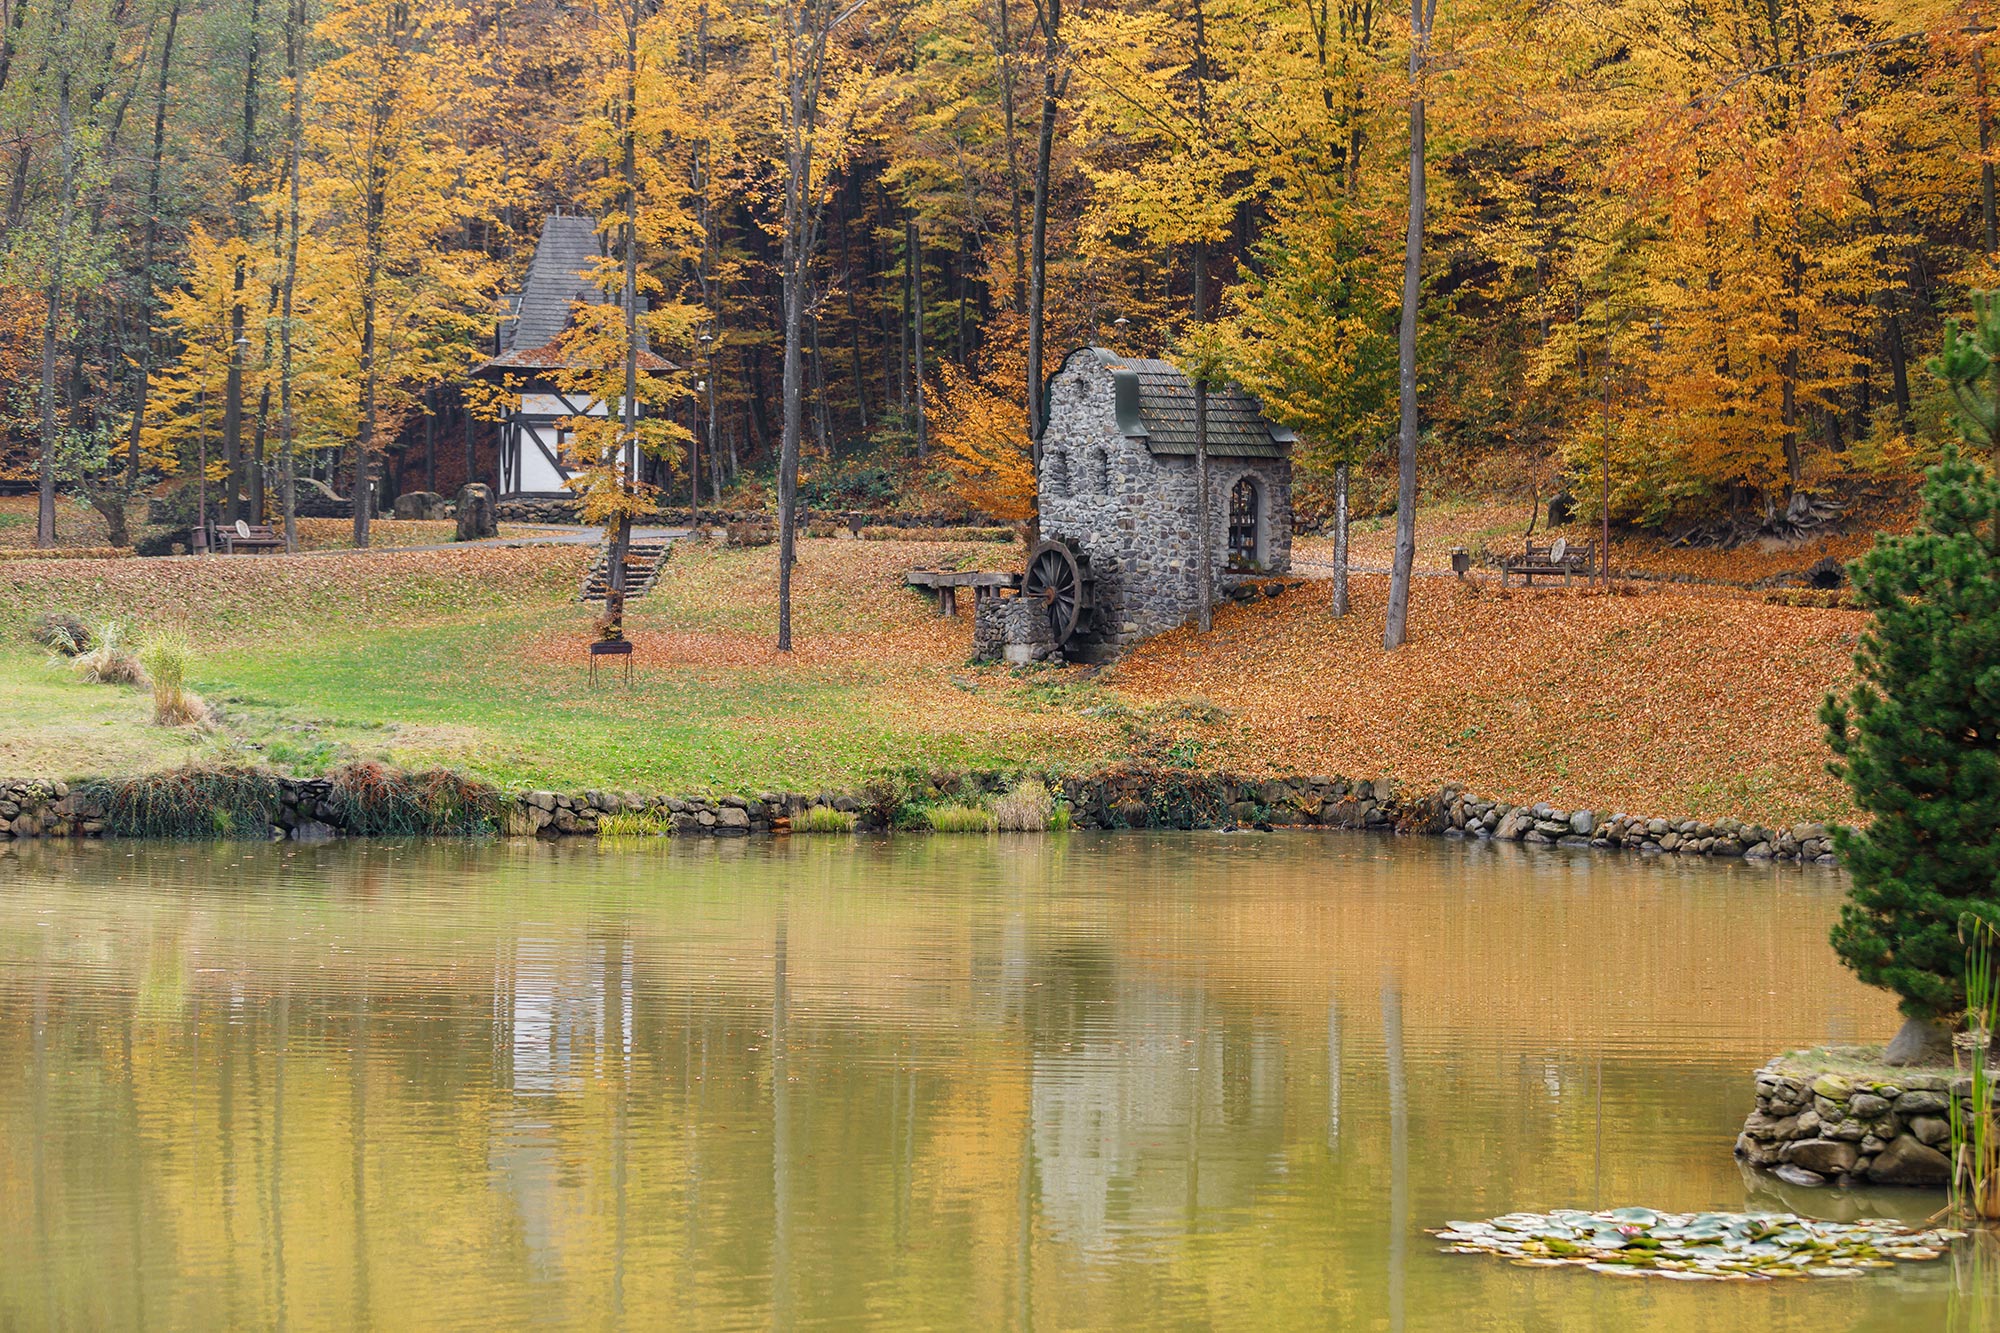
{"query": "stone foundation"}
pixel 1838 1118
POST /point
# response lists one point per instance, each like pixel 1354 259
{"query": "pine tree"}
pixel 1918 738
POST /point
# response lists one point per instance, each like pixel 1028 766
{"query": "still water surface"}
pixel 1083 1081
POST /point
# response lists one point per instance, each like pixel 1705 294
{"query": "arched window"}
pixel 1099 480
pixel 1055 470
pixel 1245 514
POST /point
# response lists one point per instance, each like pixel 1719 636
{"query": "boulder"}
pixel 1922 1102
pixel 1583 823
pixel 1931 1130
pixel 1866 1105
pixel 1908 1161
pixel 1829 1157
pixel 312 831
pixel 419 504
pixel 476 517
pixel 732 819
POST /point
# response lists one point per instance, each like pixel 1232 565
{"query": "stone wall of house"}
pixel 1820 1120
pixel 1132 513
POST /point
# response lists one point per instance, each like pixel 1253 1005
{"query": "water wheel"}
pixel 1060 580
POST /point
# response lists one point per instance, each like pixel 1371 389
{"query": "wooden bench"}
pixel 1556 557
pixel 239 537
pixel 946 583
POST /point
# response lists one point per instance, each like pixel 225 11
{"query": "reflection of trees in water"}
pixel 696 1080
pixel 1153 1110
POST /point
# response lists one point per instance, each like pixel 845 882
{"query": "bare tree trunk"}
pixel 295 22
pixel 1988 225
pixel 45 511
pixel 628 410
pixel 147 249
pixel 1008 121
pixel 914 248
pixel 232 392
pixel 1340 540
pixel 1204 525
pixel 802 60
pixel 1048 16
pixel 1395 630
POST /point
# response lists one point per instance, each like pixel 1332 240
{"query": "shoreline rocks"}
pixel 1841 1118
pixel 1122 799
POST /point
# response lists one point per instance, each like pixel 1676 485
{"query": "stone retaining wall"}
pixel 1852 1126
pixel 1115 800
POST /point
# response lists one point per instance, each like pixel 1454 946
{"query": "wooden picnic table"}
pixel 946 583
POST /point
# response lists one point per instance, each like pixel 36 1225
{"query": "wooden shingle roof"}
pixel 558 279
pixel 1155 402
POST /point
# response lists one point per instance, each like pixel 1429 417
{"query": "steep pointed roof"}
pixel 558 278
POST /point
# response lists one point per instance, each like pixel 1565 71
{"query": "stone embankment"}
pixel 1852 1126
pixel 307 808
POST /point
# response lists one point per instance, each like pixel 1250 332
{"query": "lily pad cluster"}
pixel 1696 1247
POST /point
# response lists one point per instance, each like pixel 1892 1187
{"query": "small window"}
pixel 1243 524
pixel 1099 479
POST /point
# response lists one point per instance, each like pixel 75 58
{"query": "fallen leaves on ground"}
pixel 1659 703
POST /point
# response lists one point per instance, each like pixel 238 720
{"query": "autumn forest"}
pixel 1707 244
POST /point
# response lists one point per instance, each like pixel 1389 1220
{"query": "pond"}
pixel 1116 1080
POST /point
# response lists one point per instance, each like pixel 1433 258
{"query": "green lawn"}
pixel 481 667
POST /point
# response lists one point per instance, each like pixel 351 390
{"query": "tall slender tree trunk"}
pixel 232 392
pixel 1204 524
pixel 295 22
pixel 628 410
pixel 1989 228
pixel 1396 628
pixel 914 247
pixel 1008 122
pixel 148 247
pixel 803 60
pixel 1048 16
pixel 45 510
pixel 1340 540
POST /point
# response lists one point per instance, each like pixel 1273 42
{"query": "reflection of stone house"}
pixel 1117 484
pixel 534 432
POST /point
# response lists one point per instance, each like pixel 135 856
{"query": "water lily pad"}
pixel 1703 1247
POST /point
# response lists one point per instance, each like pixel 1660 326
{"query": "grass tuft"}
pixel 823 819
pixel 61 632
pixel 166 657
pixel 1026 808
pixel 636 824
pixel 109 661
pixel 188 802
pixel 959 819
pixel 372 799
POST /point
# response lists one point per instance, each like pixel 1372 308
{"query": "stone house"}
pixel 1117 485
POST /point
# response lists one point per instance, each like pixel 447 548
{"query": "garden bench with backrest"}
pixel 240 536
pixel 1550 558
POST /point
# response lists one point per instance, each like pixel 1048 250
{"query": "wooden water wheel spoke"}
pixel 1056 579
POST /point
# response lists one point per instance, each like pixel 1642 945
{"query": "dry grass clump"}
pixel 166 657
pixel 61 632
pixel 1027 808
pixel 108 661
pixel 372 799
pixel 959 819
pixel 823 819
pixel 189 802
